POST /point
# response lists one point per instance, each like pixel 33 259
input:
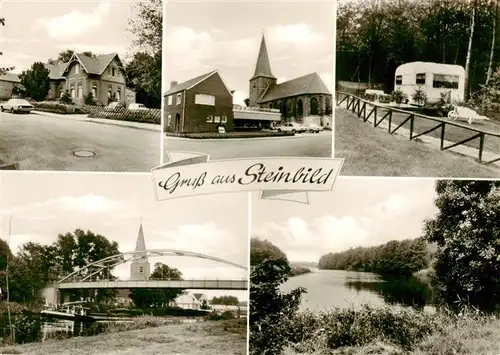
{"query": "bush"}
pixel 55 107
pixel 399 97
pixel 66 98
pixel 89 99
pixel 419 96
pixel 152 116
pixel 228 135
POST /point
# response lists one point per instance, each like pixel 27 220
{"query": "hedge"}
pixel 228 135
pixel 152 116
pixel 57 107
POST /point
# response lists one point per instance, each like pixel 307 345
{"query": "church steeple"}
pixel 140 267
pixel 263 66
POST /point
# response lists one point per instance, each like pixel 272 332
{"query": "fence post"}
pixel 442 135
pixel 390 120
pixel 481 147
pixel 411 126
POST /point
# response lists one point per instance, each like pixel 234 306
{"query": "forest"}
pixel 375 37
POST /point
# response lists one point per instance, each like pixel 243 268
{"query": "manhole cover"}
pixel 84 153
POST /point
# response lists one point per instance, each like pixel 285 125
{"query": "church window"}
pixel 141 269
pixel 254 85
pixel 314 106
pixel 203 99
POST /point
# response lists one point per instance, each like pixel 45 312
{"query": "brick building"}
pixel 200 104
pixel 306 98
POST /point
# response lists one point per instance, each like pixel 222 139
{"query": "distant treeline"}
pixel 299 270
pixel 393 258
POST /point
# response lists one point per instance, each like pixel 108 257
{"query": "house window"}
pixel 420 79
pixel 79 93
pixel 399 80
pixel 217 119
pixel 118 94
pixel 113 72
pixel 61 93
pixel 94 91
pixel 109 93
pixel 169 120
pixel 224 119
pixel 179 99
pixel 169 100
pixel 210 119
pixel 77 68
pixel 73 92
pixel 202 99
pixel 445 81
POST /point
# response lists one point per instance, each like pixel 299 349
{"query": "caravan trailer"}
pixel 435 79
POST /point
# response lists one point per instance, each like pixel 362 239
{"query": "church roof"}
pixel 140 244
pixel 307 84
pixel 263 67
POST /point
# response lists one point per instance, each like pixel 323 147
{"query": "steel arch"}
pixel 114 260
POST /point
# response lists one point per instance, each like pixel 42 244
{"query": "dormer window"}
pixel 113 72
pixel 77 68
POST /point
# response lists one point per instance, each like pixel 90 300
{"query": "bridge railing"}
pixel 365 109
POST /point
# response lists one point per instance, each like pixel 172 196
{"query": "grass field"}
pixel 370 151
pixel 204 338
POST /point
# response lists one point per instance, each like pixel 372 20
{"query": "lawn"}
pixel 221 338
pixel 370 151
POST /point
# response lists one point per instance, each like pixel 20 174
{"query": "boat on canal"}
pixel 69 311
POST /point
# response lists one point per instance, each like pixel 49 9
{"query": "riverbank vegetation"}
pixel 465 283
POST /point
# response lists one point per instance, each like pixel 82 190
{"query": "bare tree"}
pixel 469 50
pixel 494 7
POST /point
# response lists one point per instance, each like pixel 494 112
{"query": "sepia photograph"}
pixel 237 88
pixel 80 85
pixel 94 262
pixel 417 88
pixel 378 266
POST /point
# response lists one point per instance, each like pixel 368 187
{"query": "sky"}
pixel 226 36
pixel 39 30
pixel 42 205
pixel 358 212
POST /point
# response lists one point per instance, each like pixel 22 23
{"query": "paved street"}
pixel 39 142
pixel 300 145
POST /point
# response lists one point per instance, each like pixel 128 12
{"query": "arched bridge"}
pixel 96 275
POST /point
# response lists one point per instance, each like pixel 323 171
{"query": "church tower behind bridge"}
pixel 140 268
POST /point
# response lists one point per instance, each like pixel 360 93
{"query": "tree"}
pixel 65 56
pixel 144 70
pixel 467 233
pixel 261 250
pixel 4 70
pixel 226 300
pixel 155 298
pixel 89 99
pixel 271 310
pixel 469 49
pixel 66 98
pixel 36 81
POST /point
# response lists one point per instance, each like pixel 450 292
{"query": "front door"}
pixel 177 122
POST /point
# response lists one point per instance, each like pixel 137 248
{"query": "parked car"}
pixel 313 128
pixel 17 105
pixel 291 127
pixel 137 107
pixel 113 106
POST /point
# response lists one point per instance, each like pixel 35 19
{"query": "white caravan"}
pixel 434 79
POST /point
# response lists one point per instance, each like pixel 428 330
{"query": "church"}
pixel 305 99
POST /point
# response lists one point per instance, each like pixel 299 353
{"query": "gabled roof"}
pixel 307 84
pixel 263 67
pixel 186 85
pixel 93 65
pixel 11 77
pixel 198 296
pixel 56 70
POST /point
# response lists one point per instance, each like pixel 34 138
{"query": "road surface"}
pixel 300 145
pixel 39 142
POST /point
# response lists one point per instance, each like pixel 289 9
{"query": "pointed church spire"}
pixel 140 244
pixel 263 67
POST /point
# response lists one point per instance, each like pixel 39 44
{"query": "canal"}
pixel 328 289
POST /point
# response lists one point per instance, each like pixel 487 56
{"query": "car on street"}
pixel 114 106
pixel 137 107
pixel 313 128
pixel 291 127
pixel 17 105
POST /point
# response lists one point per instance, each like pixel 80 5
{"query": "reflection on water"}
pixel 350 289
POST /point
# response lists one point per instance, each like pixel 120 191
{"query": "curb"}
pixel 86 119
pixel 298 136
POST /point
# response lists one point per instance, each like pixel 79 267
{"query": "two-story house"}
pixel 103 75
pixel 201 104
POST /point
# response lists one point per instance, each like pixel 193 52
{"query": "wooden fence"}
pixel 365 109
pixel 152 116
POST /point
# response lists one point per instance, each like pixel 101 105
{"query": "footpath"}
pixel 106 121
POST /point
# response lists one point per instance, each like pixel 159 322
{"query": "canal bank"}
pixel 201 338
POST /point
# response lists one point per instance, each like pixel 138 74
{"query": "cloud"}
pixel 87 204
pixel 239 97
pixel 96 48
pixel 75 23
pixel 298 35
